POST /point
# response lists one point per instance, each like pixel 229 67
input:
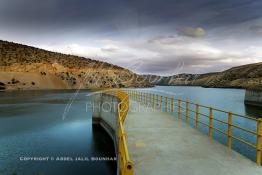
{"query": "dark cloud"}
pixel 107 14
pixel 170 32
pixel 171 65
pixel 256 29
pixel 191 32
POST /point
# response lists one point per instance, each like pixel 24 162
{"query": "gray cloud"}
pixel 110 15
pixel 192 32
pixel 256 29
pixel 110 48
pixel 219 34
pixel 173 64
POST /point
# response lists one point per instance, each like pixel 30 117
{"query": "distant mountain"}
pixel 246 76
pixel 24 67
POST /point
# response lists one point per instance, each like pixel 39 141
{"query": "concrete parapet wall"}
pixel 105 114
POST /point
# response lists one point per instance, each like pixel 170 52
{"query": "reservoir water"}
pixel 227 99
pixel 33 124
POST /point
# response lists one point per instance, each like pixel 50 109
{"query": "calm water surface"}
pixel 32 125
pixel 228 99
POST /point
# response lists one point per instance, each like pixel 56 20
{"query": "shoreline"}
pixel 96 89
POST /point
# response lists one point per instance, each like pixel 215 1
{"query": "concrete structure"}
pixel 105 115
pixel 159 144
pixel 109 111
pixel 253 98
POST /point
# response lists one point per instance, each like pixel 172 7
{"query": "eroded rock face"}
pixel 21 65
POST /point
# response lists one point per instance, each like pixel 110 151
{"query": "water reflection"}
pixel 253 111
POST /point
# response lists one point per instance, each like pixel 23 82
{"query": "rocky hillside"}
pixel 25 67
pixel 246 76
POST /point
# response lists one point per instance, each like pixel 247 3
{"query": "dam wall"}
pixel 105 115
pixel 253 98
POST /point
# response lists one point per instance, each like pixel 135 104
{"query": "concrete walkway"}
pixel 161 145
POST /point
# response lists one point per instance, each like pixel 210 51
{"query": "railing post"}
pixel 172 104
pixel 186 111
pixel 197 112
pixel 210 122
pixel 178 109
pixel 157 102
pixel 161 101
pixel 149 99
pixel 166 105
pixel 129 170
pixel 146 99
pixel 259 134
pixel 153 101
pixel 229 130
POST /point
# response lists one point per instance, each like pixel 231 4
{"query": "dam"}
pixel 253 98
pixel 153 135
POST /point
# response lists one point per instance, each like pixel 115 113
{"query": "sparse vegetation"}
pixel 14 81
pixel 70 69
pixel 247 77
pixel 2 86
pixel 43 73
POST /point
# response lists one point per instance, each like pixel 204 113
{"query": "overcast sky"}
pixel 147 36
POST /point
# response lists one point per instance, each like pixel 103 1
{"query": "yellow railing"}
pixel 171 103
pixel 126 166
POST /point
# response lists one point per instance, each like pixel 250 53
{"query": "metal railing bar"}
pixel 219 130
pixel 221 121
pixel 171 104
pixel 243 141
pixel 243 129
pixel 203 115
pixel 203 123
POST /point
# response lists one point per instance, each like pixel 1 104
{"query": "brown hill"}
pixel 246 76
pixel 25 67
